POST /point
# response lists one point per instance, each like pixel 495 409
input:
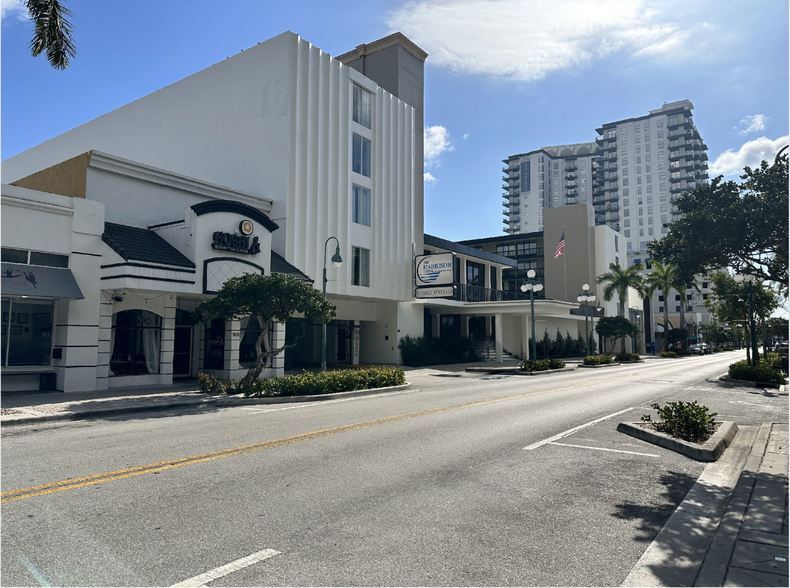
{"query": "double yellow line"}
pixel 162 466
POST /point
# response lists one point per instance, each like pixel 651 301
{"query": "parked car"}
pixel 695 349
pixel 705 348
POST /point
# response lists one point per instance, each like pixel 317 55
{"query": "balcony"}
pixel 570 177
pixel 684 122
pixel 612 187
pixel 612 177
pixel 570 167
pixel 679 133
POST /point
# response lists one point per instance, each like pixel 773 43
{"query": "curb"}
pixel 219 401
pixel 711 450
pixel 602 365
pixel 544 372
pixel 750 383
pixel 675 556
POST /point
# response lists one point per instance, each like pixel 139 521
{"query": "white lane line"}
pixel 257 410
pixel 574 429
pixel 233 566
pixel 605 449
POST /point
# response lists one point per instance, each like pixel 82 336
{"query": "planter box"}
pixel 711 450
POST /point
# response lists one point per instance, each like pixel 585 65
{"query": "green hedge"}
pixel 762 372
pixel 628 357
pixel 668 354
pixel 602 359
pixel 309 383
pixel 541 365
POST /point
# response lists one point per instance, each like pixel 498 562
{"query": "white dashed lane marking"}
pixel 233 566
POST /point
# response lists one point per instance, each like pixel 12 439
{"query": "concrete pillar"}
pixel 498 336
pixel 464 325
pixel 167 342
pixel 525 334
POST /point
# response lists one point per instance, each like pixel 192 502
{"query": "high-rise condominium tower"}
pixel 632 175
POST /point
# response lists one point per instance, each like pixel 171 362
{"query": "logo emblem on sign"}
pixel 246 227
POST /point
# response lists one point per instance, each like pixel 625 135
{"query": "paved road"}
pixel 427 486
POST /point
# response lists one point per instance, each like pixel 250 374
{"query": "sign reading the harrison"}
pixel 434 270
pixel 436 292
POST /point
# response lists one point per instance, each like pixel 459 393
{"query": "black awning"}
pixel 34 280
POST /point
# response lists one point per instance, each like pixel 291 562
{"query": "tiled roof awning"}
pixel 280 266
pixel 133 243
pixel 34 280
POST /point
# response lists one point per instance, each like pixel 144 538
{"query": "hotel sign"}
pixel 434 270
pixel 435 292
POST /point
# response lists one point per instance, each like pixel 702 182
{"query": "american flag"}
pixel 561 245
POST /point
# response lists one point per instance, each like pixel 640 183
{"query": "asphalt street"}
pixel 461 479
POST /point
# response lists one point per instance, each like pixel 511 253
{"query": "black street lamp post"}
pixel 337 260
pixel 532 285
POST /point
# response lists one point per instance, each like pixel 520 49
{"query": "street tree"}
pixel 742 225
pixel 276 297
pixel 614 327
pixel 662 278
pixel 52 31
pixel 618 280
pixel 734 302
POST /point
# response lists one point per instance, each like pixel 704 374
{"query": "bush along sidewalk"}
pixel 602 359
pixel 541 365
pixel 766 370
pixel 308 383
pixel 686 420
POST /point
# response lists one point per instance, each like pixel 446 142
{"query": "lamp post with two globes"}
pixel 532 285
pixel 584 297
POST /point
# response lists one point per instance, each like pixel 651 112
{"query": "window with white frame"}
pixel 362 102
pixel 360 266
pixel 360 206
pixel 360 155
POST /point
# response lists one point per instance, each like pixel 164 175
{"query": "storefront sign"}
pixel 237 243
pixel 440 292
pixel 434 270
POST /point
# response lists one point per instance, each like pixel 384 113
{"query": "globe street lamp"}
pixel 337 260
pixel 532 285
pixel 584 297
pixel 748 278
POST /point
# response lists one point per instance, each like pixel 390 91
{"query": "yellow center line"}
pixel 71 484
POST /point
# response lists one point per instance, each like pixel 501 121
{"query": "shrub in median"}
pixel 329 382
pixel 602 359
pixel 668 354
pixel 542 365
pixel 628 357
pixel 762 372
pixel 685 420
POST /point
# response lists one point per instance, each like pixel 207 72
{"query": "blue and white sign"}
pixel 434 270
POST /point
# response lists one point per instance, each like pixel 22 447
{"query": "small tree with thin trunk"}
pixel 276 297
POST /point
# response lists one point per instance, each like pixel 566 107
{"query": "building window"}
pixel 360 156
pixel 660 309
pixel 361 205
pixel 251 330
pixel 34 257
pixel 362 101
pixel 360 267
pixel 27 331
pixel 134 343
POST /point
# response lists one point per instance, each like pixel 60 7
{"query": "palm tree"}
pixel 664 278
pixel 619 280
pixel 52 31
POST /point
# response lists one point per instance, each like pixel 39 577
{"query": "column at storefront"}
pixel 168 340
pixel 105 340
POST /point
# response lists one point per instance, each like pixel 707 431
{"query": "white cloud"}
pixel 428 179
pixel 754 122
pixel 436 142
pixel 751 153
pixel 528 39
pixel 465 137
pixel 9 8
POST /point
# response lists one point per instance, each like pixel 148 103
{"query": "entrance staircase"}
pixel 486 351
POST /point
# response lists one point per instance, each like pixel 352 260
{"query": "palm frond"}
pixel 52 32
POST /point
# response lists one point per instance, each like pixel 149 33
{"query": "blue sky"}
pixel 502 76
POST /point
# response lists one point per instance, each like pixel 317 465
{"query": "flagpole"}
pixel 565 275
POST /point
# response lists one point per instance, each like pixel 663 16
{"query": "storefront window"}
pixel 27 331
pixel 135 340
pixel 215 345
